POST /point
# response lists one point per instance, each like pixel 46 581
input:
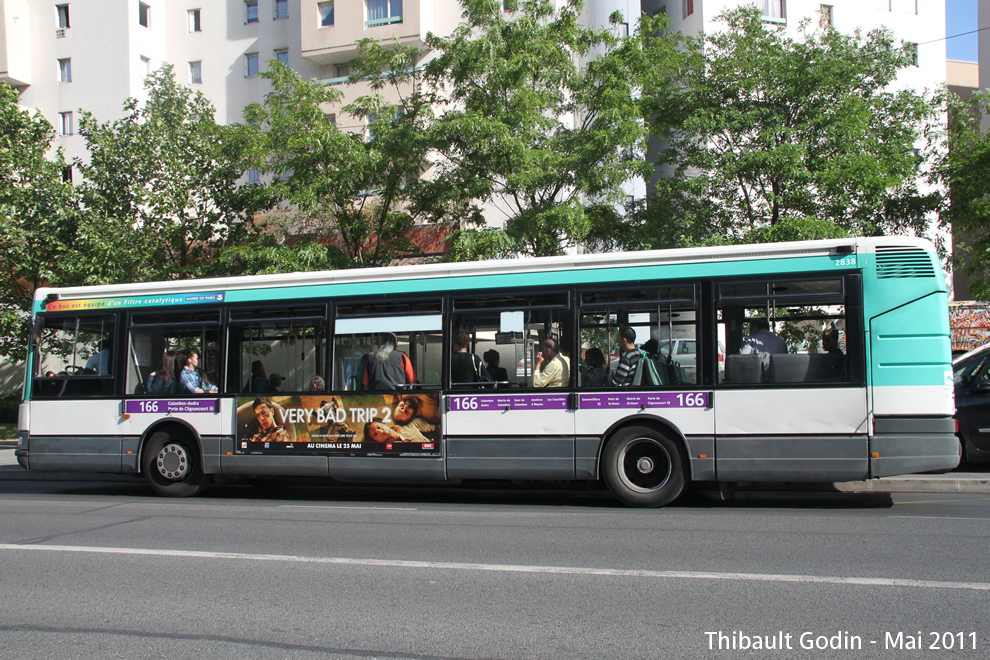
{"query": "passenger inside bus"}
pixel 830 340
pixel 551 368
pixel 594 372
pixel 163 380
pixel 492 359
pixel 259 378
pixel 386 367
pixel 630 356
pixel 465 367
pixel 762 342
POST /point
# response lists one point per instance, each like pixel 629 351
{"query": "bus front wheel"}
pixel 172 466
pixel 643 468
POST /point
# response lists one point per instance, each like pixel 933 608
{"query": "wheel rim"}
pixel 644 465
pixel 173 462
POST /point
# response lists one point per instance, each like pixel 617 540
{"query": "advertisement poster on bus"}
pixel 340 424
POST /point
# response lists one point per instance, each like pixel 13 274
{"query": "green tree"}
pixel 539 121
pixel 351 186
pixel 962 167
pixel 170 173
pixel 771 138
pixel 48 239
pixel 34 205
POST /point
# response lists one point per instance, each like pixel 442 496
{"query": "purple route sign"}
pixel 645 400
pixel 479 402
pixel 162 406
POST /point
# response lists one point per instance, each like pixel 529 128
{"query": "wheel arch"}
pixel 658 424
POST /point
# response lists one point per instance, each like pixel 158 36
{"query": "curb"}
pixel 918 484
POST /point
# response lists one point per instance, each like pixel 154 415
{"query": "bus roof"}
pixel 441 271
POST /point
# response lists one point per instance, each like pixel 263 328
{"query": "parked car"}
pixel 971 375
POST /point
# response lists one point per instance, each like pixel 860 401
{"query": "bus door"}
pixel 382 416
pixel 505 418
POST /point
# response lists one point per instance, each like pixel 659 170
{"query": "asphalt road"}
pixel 111 571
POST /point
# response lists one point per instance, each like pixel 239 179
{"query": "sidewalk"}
pixel 953 482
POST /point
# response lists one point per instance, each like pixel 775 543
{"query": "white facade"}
pixel 109 46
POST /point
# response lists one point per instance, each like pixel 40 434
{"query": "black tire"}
pixel 172 465
pixel 643 468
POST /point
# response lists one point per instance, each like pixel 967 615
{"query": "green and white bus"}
pixel 284 390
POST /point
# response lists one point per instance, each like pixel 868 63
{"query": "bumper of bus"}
pixel 21 451
pixel 907 445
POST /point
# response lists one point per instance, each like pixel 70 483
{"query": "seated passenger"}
pixel 191 377
pixel 762 341
pixel 595 371
pixel 259 379
pixel 830 340
pixel 551 368
pixel 492 358
pixel 163 380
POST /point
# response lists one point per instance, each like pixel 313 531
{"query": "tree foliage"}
pixel 539 120
pixel 353 186
pixel 962 166
pixel 768 137
pixel 169 173
pixel 36 216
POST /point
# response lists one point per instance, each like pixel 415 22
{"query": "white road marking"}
pixel 510 568
pixel 362 508
pixel 940 518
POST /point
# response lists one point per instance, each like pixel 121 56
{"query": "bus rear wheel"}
pixel 643 468
pixel 172 466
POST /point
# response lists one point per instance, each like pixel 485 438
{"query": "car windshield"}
pixel 967 367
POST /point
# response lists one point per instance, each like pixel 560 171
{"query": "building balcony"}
pixel 336 42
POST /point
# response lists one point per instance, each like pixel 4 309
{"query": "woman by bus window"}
pixel 163 380
pixel 191 378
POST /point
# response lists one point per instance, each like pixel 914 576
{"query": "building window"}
pixel 251 11
pixel 826 14
pixel 688 6
pixel 67 174
pixel 251 65
pixel 194 24
pixel 62 17
pixel 384 12
pixel 144 15
pixel 911 50
pixel 281 9
pixel 282 55
pixel 196 73
pixel 331 117
pixel 146 65
pixel 253 176
pixel 326 13
pixel 65 123
pixel 773 10
pixel 506 6
pixel 65 70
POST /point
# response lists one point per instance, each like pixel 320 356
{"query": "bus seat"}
pixel 743 368
pixel 806 368
pixel 788 368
